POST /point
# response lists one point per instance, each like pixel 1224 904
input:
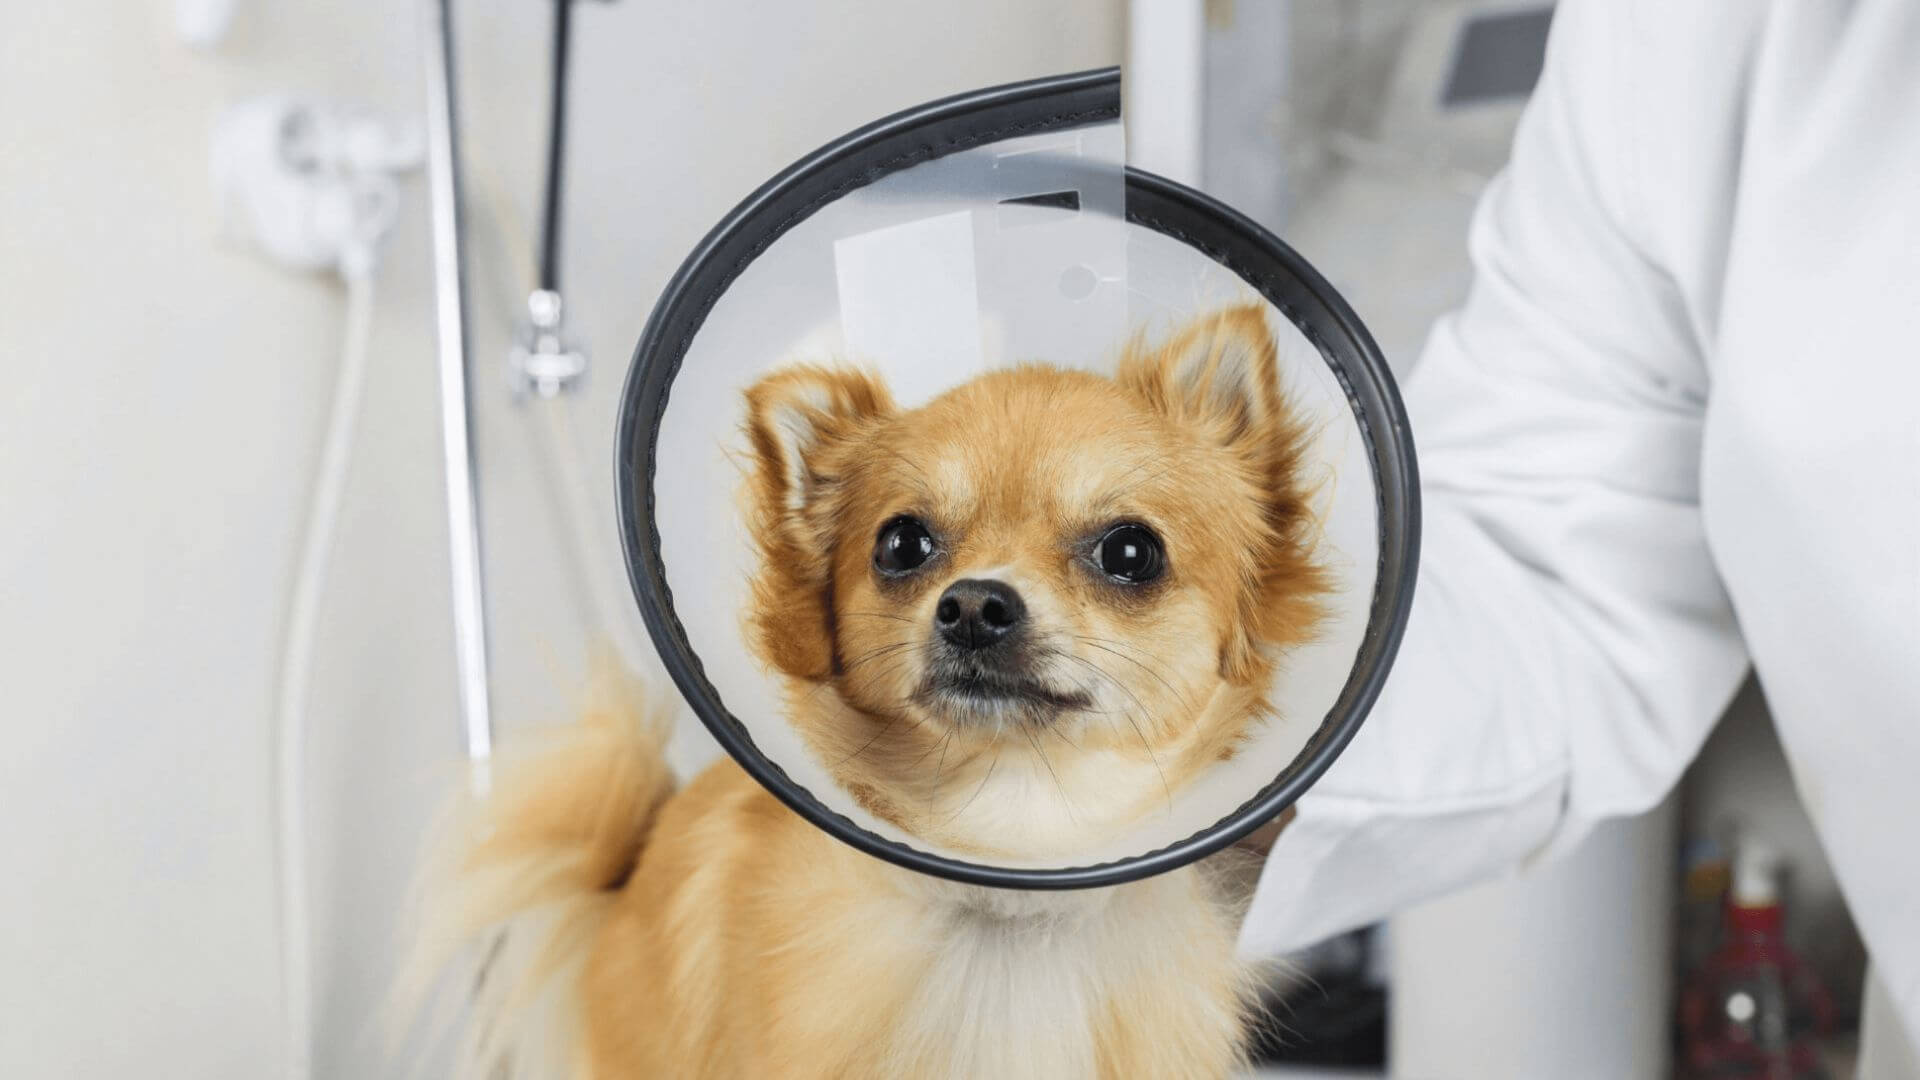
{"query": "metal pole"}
pixel 556 149
pixel 463 525
pixel 546 358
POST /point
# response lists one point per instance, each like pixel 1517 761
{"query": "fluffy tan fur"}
pixel 716 934
pixel 1015 469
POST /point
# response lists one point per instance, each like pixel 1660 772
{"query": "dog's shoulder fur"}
pixel 715 934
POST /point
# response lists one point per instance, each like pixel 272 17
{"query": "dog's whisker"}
pixel 878 615
pixel 864 658
pixel 884 728
pixel 929 751
pixel 933 789
pixel 991 765
pixel 1166 789
pixel 897 660
pixel 1100 643
pixel 889 665
pixel 1107 677
pixel 849 667
pixel 895 665
pixel 1065 799
pixel 1061 735
pixel 876 653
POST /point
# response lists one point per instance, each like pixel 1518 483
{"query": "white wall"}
pixel 159 414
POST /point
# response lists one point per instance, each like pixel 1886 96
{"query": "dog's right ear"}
pixel 800 422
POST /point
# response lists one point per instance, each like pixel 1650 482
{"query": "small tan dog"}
pixel 1011 622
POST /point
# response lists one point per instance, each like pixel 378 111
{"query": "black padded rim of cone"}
pixel 1229 238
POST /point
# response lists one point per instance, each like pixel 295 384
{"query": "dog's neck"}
pixel 985 904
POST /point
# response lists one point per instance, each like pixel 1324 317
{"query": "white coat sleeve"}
pixel 1570 644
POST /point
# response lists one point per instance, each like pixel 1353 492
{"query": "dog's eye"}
pixel 1130 554
pixel 904 544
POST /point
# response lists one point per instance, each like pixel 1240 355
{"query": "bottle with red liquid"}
pixel 1753 1011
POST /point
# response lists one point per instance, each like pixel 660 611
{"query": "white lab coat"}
pixel 1675 425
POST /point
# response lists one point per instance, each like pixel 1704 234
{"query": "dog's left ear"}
pixel 1220 372
pixel 800 422
pixel 1219 376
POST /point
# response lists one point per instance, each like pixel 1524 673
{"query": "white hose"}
pixel 296 672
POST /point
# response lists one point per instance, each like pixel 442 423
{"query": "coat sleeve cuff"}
pixel 1346 862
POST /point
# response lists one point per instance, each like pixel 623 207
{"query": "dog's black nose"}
pixel 974 613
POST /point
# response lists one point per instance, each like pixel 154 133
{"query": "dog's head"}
pixel 1021 616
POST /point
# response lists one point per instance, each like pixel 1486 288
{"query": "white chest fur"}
pixel 1021 984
